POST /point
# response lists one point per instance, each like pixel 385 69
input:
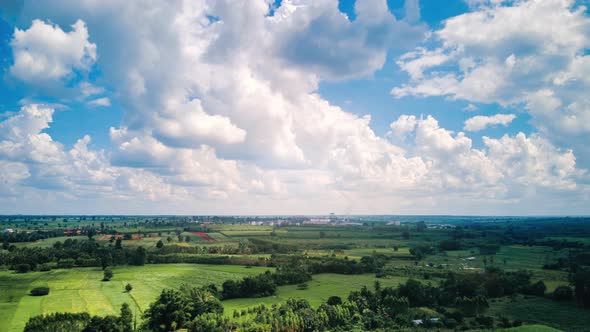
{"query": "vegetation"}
pixel 452 274
pixel 40 291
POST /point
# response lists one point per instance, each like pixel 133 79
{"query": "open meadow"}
pixel 517 268
pixel 82 289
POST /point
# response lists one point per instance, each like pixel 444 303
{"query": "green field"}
pixel 538 310
pixel 525 328
pixel 321 287
pixel 81 289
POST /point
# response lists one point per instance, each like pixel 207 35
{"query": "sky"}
pixel 461 107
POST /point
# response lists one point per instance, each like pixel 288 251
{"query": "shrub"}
pixel 128 288
pixel 108 274
pixel 537 289
pixel 45 267
pixel 334 300
pixel 40 291
pixel 67 263
pixel 22 268
pixel 563 293
pixel 302 286
pixel 487 321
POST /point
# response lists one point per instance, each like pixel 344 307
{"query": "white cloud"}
pixel 88 89
pixel 530 53
pixel 226 110
pixel 46 52
pixel 470 108
pixel 104 101
pixel 481 122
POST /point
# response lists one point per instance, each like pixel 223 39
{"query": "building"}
pixel 8 231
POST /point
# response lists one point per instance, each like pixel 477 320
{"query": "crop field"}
pixel 321 287
pixel 536 310
pixel 339 259
pixel 81 289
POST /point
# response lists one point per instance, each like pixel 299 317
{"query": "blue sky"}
pixel 475 107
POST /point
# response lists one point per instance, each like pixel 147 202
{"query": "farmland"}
pixel 313 263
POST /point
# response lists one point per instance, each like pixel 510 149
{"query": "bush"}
pixel 302 286
pixel 537 289
pixel 563 293
pixel 67 263
pixel 40 291
pixel 45 267
pixel 108 274
pixel 22 268
pixel 487 321
pixel 128 288
pixel 334 300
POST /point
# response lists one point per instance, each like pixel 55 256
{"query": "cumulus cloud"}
pixel 227 109
pixel 530 53
pixel 45 52
pixel 481 122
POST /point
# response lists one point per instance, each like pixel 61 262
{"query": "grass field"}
pixel 525 328
pixel 320 289
pixel 538 310
pixel 81 289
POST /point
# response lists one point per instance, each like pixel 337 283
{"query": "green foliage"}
pixel 176 309
pixel 258 286
pixel 62 322
pixel 563 293
pixel 40 291
pixel 22 268
pixel 107 274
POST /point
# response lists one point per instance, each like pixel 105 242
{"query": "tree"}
pixel 108 274
pixel 169 239
pixel 537 289
pixel 169 312
pixel 118 243
pixel 563 293
pixel 139 256
pixel 187 239
pixel 581 282
pixel 65 322
pixel 334 300
pixel 105 258
pixel 90 233
pixel 421 226
pixel 23 268
pixel 126 317
pixel 160 244
pixel 40 291
pixel 128 288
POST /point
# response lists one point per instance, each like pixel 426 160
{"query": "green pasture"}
pixel 320 288
pixel 81 289
pixel 47 243
pixel 538 310
pixel 524 328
